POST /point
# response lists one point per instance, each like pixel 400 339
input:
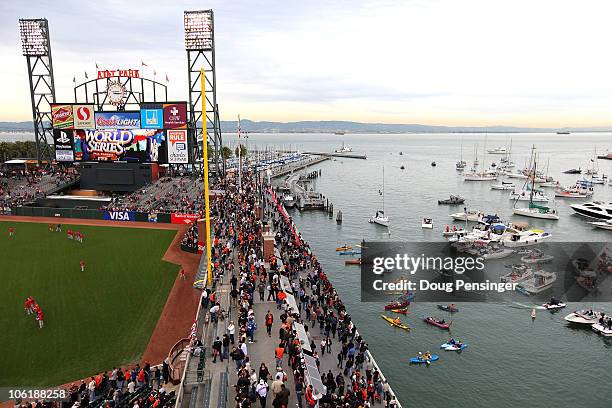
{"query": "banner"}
pixel 135 145
pixel 64 145
pixel 152 118
pixel 120 215
pixel 83 117
pixel 117 120
pixel 175 115
pixel 177 146
pixel 61 116
pixel 178 218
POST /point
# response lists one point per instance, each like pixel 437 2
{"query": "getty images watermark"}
pixel 440 271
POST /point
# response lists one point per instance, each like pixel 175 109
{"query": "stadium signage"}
pixel 117 120
pixel 120 215
pixel 83 116
pixel 141 145
pixel 62 117
pixel 62 141
pixel 175 115
pixel 112 73
pixel 179 218
pixel 177 146
pixel 151 118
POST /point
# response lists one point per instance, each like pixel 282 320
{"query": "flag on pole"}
pixel 143 64
pixel 86 77
pixel 97 66
pixel 167 80
pixel 154 73
pixel 74 80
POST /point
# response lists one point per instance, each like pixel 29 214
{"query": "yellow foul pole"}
pixel 206 189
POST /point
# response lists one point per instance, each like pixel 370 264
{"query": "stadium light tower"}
pixel 200 47
pixel 36 47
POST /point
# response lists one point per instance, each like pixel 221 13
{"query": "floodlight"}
pixel 198 30
pixel 34 37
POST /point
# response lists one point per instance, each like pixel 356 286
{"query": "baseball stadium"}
pixel 132 252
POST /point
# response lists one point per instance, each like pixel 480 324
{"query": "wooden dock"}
pixel 293 167
pixel 345 155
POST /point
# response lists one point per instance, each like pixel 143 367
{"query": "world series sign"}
pixel 177 146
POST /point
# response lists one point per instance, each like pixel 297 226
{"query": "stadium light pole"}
pixel 206 188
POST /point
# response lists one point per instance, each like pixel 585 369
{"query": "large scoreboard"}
pixel 156 133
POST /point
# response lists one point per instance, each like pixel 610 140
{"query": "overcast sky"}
pixel 444 62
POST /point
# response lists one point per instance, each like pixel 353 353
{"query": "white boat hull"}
pixel 466 217
pixel 581 318
pixel 380 221
pixel 602 225
pixel 534 213
pixel 604 331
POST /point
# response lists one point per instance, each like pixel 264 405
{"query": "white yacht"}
pixel 513 238
pixel 484 176
pixel 594 209
pixel 540 282
pixel 607 225
pixel 344 149
pixel 380 218
pixel 537 211
pixel 576 191
pixel 525 195
pixel 469 215
pixel 498 150
pixel 518 273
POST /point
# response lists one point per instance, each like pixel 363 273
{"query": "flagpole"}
pixel 206 190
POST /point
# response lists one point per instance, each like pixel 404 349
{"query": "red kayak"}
pixel 437 323
pixel 397 305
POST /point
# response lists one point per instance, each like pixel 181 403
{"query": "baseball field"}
pixel 94 320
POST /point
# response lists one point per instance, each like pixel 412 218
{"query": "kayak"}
pixel 397 305
pixel 344 248
pixel 452 347
pixel 434 322
pixel 392 323
pixel 400 311
pixel 559 305
pixel 522 290
pixel 353 261
pixel 417 360
pixel 448 308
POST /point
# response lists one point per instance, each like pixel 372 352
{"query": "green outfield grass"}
pixel 94 320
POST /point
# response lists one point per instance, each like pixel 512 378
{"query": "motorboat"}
pixel 536 257
pixel 289 201
pixel 495 252
pixel 607 225
pixel 453 200
pixel 498 150
pixel 554 306
pixel 526 195
pixel 514 238
pixel 427 223
pixel 467 215
pixel 344 149
pixel 537 211
pixel 573 171
pixel 604 330
pixel 541 281
pixel 594 209
pixel 454 231
pixel 583 317
pixel 518 273
pixel 598 180
pixel 576 191
pixel 379 218
pixel 504 186
pixel 484 176
pixel 433 164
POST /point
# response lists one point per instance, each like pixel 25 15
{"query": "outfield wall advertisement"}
pixel 119 215
pixel 178 218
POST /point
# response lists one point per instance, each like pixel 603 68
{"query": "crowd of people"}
pixel 183 194
pixel 353 382
pixel 190 239
pixel 20 186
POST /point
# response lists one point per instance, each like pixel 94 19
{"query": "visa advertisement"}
pixel 132 145
pixel 119 215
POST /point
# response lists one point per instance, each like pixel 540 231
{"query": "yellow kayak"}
pixel 344 248
pixel 393 323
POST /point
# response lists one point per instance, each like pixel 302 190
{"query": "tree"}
pixel 243 150
pixel 226 152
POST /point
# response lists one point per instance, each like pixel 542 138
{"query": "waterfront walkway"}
pixel 292 271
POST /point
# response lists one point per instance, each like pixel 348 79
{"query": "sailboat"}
pixel 535 210
pixel 460 165
pixel 482 176
pixel 380 218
